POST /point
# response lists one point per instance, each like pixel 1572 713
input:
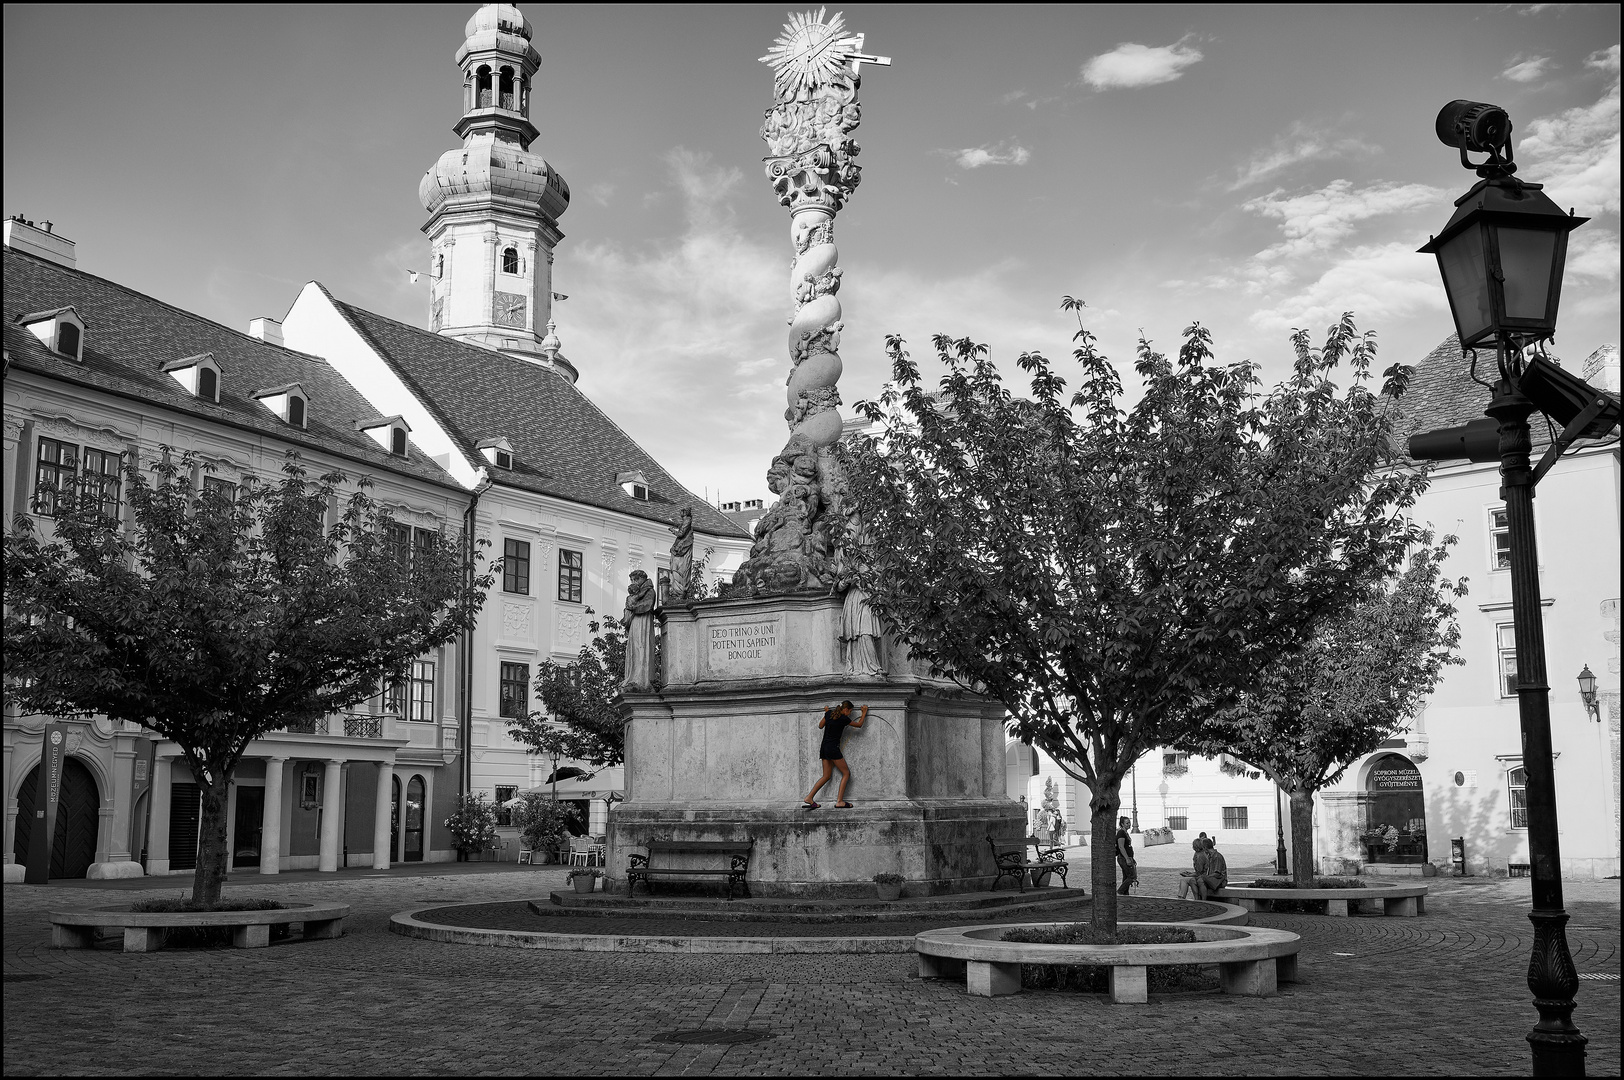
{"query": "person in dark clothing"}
pixel 835 720
pixel 1125 860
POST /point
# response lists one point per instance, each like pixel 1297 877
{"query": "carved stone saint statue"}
pixel 682 557
pixel 638 618
pixel 859 626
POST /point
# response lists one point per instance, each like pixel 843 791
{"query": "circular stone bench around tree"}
pixel 1251 960
pixel 144 931
pixel 1395 899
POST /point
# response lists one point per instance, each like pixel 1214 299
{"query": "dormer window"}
pixel 633 483
pixel 198 375
pixel 288 402
pixel 61 330
pixel 510 260
pixel 390 432
pixel 498 452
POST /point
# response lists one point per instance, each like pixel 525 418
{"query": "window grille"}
pixel 1178 818
pixel 1234 817
pixel 510 260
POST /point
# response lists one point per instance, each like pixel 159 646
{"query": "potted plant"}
pixel 473 825
pixel 888 885
pixel 584 878
pixel 542 822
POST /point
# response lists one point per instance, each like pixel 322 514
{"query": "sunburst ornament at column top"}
pixel 811 52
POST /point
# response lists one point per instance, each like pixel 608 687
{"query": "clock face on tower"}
pixel 437 313
pixel 507 309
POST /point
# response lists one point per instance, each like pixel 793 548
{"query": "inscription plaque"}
pixel 755 647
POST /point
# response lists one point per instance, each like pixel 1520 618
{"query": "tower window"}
pixel 506 86
pixel 208 384
pixel 439 265
pixel 296 410
pixel 397 442
pixel 482 87
pixel 510 260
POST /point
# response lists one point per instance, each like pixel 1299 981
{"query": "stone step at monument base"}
pixel 939 845
pixel 1382 871
pixel 971 906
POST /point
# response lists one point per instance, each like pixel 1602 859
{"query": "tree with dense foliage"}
pixel 1100 568
pixel 1363 676
pixel 214 617
pixel 581 717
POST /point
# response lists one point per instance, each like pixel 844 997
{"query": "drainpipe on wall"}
pixel 465 706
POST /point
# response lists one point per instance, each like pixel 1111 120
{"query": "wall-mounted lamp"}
pixel 1587 691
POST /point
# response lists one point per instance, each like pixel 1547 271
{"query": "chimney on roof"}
pixel 267 330
pixel 21 234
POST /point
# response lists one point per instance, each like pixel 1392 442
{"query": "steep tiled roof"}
pixel 131 337
pixel 563 444
pixel 1442 394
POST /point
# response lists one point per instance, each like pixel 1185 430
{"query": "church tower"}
pixel 493 205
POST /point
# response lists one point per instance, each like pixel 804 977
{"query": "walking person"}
pixel 835 720
pixel 1125 859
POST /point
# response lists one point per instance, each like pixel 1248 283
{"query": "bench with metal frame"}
pixel 1011 860
pixel 645 867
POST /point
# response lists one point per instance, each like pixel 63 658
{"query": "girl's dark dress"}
pixel 834 726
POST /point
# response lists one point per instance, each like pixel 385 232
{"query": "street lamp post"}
pixel 1279 835
pixel 1587 693
pixel 1501 257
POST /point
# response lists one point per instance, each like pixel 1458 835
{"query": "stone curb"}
pixel 407 924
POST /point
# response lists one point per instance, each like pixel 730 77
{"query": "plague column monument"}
pixel 723 747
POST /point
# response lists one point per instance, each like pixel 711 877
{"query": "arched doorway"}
pixel 78 815
pixel 1395 807
pixel 415 791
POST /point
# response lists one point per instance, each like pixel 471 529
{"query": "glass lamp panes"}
pixel 1466 279
pixel 1528 261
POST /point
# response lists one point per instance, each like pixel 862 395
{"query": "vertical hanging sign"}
pixel 47 794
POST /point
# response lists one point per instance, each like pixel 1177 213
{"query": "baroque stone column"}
pixel 332 813
pixel 158 837
pixel 382 804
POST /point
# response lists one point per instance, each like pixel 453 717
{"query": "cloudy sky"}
pixel 1255 169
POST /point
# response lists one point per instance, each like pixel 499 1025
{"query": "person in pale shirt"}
pixel 1191 882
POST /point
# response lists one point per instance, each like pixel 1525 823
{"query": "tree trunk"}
pixel 1302 838
pixel 211 843
pixel 1103 809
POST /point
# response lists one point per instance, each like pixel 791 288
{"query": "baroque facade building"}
pixel 98 374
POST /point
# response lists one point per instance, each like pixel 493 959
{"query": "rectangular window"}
pixel 1234 817
pixel 224 488
pixel 1175 764
pixel 516 567
pixel 515 690
pixel 1517 796
pixel 505 793
pixel 1505 641
pixel 53 473
pixel 1499 540
pixel 1178 818
pixel 570 564
pixel 101 480
pixel 396 695
pixel 421 700
pixel 399 539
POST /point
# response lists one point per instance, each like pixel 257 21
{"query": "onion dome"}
pixel 486 168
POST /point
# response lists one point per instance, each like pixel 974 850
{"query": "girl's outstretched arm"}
pixel 859 721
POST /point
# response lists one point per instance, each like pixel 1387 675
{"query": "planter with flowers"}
pixel 888 885
pixel 584 878
pixel 473 826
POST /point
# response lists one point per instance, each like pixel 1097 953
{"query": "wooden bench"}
pixel 1011 860
pixel 657 863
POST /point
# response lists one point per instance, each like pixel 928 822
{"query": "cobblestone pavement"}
pixel 1439 994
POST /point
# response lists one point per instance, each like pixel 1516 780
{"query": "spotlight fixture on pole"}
pixel 1501 256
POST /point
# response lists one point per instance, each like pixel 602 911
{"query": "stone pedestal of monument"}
pixel 728 747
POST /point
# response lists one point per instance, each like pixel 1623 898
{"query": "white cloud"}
pixel 1593 256
pixel 1575 154
pixel 1012 97
pixel 1299 145
pixel 1130 65
pixel 1380 283
pixel 1527 69
pixel 1004 153
pixel 1322 219
pixel 600 193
